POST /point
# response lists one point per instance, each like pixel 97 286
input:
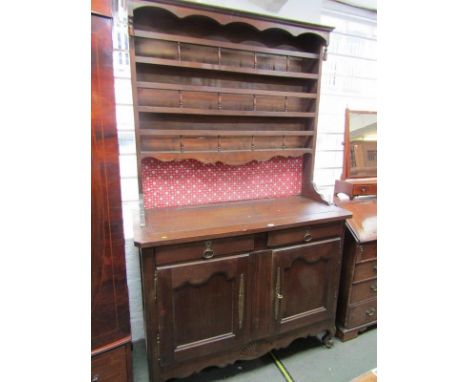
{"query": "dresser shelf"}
pixel 222 44
pixel 223 68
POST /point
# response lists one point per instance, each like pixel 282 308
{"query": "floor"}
pixel 305 359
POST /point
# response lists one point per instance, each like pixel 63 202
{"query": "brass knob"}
pixel 370 312
pixel 208 253
pixel 363 189
pixel 374 287
pixel 307 237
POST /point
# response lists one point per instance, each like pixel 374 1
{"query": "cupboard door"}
pixel 306 283
pixel 202 307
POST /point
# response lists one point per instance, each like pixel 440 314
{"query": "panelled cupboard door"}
pixel 202 307
pixel 305 281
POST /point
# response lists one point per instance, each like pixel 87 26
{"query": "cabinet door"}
pixel 202 307
pixel 306 283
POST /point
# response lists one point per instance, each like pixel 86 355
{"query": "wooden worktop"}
pixel 184 224
pixel 363 224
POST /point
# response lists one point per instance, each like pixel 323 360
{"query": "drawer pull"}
pixel 95 378
pixel 363 189
pixel 370 312
pixel 279 296
pixel 208 253
pixel 307 237
pixel 374 288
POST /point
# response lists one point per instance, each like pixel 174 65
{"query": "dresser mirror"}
pixel 360 151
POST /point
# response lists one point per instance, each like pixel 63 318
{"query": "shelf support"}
pixel 179 51
pixel 181 144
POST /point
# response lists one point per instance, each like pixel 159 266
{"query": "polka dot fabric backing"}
pixel 189 182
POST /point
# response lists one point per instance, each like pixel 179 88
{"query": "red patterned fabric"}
pixel 189 182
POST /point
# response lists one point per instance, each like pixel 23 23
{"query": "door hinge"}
pixel 158 347
pixel 155 285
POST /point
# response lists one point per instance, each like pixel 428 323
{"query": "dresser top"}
pixel 363 224
pixel 185 224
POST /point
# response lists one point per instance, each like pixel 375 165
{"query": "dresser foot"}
pixel 327 339
pixel 348 334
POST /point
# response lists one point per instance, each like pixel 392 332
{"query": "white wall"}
pixel 349 80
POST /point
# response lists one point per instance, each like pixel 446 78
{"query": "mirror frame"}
pixel 347 152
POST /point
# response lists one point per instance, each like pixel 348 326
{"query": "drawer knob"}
pixel 95 378
pixel 307 236
pixel 374 287
pixel 370 312
pixel 208 253
pixel 363 189
pixel 279 296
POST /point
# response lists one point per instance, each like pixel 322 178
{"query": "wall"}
pixel 349 80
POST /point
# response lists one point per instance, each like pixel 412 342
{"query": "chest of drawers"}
pixel 357 304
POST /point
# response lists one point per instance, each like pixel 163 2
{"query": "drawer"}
pixel 303 234
pixel 366 251
pixel 363 291
pixel 362 314
pixel 206 249
pixel 364 271
pixel 365 189
pixel 110 366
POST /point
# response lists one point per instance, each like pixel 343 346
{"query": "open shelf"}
pixel 247 113
pixel 222 44
pixel 223 90
pixel 223 68
pixel 225 133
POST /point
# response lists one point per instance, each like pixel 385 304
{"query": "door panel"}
pixel 202 306
pixel 306 282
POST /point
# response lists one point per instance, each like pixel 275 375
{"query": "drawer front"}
pixel 362 314
pixel 110 366
pixel 363 291
pixel 303 234
pixel 366 251
pixel 364 271
pixel 203 249
pixel 365 189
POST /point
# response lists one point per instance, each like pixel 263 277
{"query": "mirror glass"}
pixel 362 145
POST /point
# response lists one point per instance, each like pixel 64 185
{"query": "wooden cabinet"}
pixel 110 318
pixel 357 305
pixel 306 281
pixel 202 307
pixel 232 280
pixel 229 302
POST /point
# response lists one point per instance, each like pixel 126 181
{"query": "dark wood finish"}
pixel 357 304
pixel 217 67
pixel 182 225
pixel 112 366
pixel 110 318
pixel 210 280
pixel 231 281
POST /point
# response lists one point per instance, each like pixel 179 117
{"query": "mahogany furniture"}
pixel 234 280
pixel 359 175
pixel 357 303
pixel 110 321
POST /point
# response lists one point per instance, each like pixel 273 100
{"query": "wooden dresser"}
pixel 110 318
pixel 357 304
pixel 232 280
